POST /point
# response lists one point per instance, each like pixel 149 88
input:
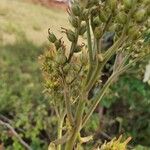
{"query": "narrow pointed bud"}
pixel 133 33
pixel 76 10
pixel 70 35
pixel 58 44
pixel 98 32
pixel 112 4
pixel 96 21
pixel 122 17
pixel 82 29
pixel 51 37
pixel 60 58
pixel 140 15
pixel 85 14
pixel 74 21
pixel 128 3
pixel 102 16
pixel 66 68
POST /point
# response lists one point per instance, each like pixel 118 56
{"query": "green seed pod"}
pixel 96 21
pixel 102 16
pixel 74 21
pixel 57 44
pixel 60 58
pixel 128 3
pixel 94 10
pixel 51 37
pixel 133 33
pixel 70 35
pixel 122 17
pixel 85 14
pixel 140 15
pixel 66 68
pixel 112 4
pixel 97 32
pixel 82 29
pixel 76 10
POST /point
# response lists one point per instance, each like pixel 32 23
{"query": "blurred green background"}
pixel 23 37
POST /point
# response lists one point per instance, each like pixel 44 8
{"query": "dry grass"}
pixel 18 18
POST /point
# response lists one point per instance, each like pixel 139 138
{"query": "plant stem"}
pixel 68 103
pixel 60 126
pixel 99 97
pixel 90 52
pixel 78 123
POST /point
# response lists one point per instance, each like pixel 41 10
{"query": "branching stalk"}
pixel 60 126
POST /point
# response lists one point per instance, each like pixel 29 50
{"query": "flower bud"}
pixel 57 44
pixel 76 10
pixel 82 29
pixel 140 15
pixel 133 33
pixel 74 21
pixel 85 14
pixel 60 58
pixel 97 32
pixel 122 17
pixel 128 3
pixel 102 16
pixel 112 4
pixel 66 68
pixel 96 21
pixel 70 35
pixel 51 37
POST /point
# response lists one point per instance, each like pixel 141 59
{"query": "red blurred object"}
pixel 62 4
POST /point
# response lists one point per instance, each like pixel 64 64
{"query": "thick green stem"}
pixel 60 126
pixel 90 51
pixel 79 114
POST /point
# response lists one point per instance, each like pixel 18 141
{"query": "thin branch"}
pixel 100 95
pixel 90 52
pixel 111 51
pixel 15 134
pixel 89 43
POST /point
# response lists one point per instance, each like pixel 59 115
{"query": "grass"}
pixel 17 17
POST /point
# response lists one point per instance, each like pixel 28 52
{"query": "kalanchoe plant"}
pixel 70 78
